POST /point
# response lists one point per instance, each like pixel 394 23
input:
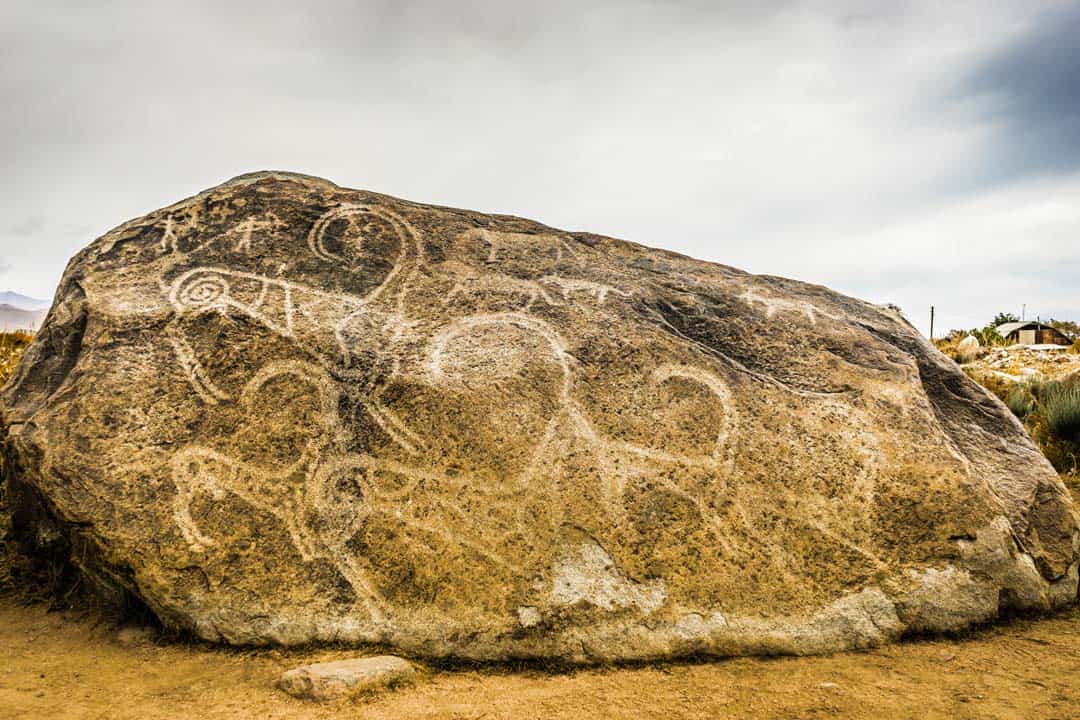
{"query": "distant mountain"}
pixel 15 318
pixel 23 302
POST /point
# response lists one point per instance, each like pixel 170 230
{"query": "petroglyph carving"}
pixel 552 290
pixel 313 484
pixel 202 384
pixel 463 326
pixel 772 305
pixel 454 339
pixel 510 261
pixel 488 290
pixel 287 493
pixel 317 239
pixel 242 234
pixel 482 347
pixel 201 469
pixel 168 236
pixel 726 432
pixel 510 247
pixel 352 234
pixel 173 232
pixel 570 286
pixel 499 286
pixel 398 431
pixel 285 307
pixel 453 358
pixel 322 322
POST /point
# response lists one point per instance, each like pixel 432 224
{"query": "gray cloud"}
pixel 1028 92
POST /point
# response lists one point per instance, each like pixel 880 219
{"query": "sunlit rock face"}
pixel 284 411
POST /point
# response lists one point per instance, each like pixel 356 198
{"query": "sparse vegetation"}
pixel 987 335
pixel 12 346
pixel 1070 328
pixel 14 569
pixel 1042 389
pixel 1050 409
pixel 1060 401
pixel 1020 400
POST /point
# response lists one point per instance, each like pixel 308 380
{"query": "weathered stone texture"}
pixel 324 682
pixel 283 412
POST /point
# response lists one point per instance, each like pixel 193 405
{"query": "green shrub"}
pixel 1021 399
pixel 1060 401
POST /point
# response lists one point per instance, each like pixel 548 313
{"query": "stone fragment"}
pixel 323 682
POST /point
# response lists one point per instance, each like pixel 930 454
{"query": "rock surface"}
pixel 286 412
pixel 327 681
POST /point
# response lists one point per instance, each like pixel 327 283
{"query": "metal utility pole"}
pixel 1023 312
pixel 931 323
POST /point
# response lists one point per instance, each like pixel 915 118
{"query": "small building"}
pixel 1033 333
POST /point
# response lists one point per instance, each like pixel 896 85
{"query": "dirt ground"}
pixel 59 666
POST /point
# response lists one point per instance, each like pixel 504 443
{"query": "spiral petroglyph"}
pixel 201 289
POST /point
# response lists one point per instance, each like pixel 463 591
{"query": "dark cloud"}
pixel 1029 92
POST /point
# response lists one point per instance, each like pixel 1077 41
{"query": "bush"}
pixel 1020 398
pixel 1060 401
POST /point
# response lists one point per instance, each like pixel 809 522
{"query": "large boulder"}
pixel 287 412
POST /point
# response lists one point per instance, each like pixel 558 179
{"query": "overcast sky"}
pixel 914 153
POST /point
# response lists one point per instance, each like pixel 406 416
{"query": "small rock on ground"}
pixel 332 680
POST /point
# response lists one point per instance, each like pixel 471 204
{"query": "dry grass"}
pixel 1049 409
pixel 951 346
pixel 12 345
pixel 14 569
pixel 1061 402
pixel 1042 388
